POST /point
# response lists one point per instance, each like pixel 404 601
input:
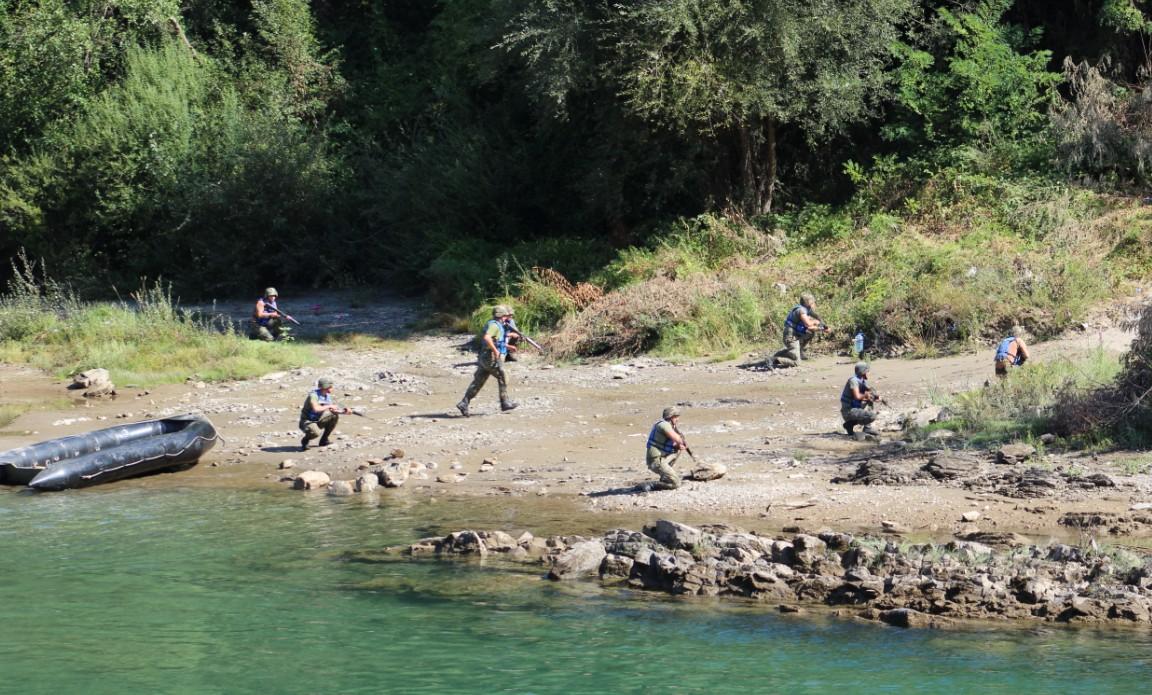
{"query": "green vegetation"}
pixel 143 342
pixel 658 175
pixel 1025 405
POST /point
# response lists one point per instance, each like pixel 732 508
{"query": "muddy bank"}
pixel 924 585
pixel 576 444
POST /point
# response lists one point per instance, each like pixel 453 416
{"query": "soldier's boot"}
pixel 462 406
pixel 304 442
pixel 507 405
pixel 848 427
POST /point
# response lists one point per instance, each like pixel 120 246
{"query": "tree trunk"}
pixel 758 166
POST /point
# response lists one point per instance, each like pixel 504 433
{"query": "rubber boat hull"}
pixel 109 454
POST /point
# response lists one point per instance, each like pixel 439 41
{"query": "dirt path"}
pixel 576 443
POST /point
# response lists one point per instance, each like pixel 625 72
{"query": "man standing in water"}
pixel 319 415
pixel 664 445
pixel 490 362
pixel 855 399
pixel 800 327
pixel 266 322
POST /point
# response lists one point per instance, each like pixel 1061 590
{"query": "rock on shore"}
pixel 907 585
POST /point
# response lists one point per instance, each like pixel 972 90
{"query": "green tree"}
pixel 738 74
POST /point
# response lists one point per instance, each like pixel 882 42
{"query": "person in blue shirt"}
pixel 319 415
pixel 1011 352
pixel 855 400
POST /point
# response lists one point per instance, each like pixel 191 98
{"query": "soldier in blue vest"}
pixel 855 399
pixel 1011 352
pixel 664 445
pixel 800 327
pixel 493 351
pixel 266 323
pixel 319 415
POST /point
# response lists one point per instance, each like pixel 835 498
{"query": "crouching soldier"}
pixel 266 323
pixel 855 400
pixel 319 415
pixel 664 445
pixel 1011 352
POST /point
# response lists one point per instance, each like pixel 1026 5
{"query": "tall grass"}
pixel 1024 405
pixel 146 340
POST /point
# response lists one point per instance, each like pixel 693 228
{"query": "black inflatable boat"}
pixel 109 454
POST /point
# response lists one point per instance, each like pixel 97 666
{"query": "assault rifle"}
pixel 685 440
pixel 512 326
pixel 274 310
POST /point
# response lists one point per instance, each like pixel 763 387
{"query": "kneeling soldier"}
pixel 319 415
pixel 664 445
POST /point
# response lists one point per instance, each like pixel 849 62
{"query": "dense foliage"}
pixel 451 146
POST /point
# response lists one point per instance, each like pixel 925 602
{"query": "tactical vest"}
pixel 794 322
pixel 1006 345
pixel 322 398
pixel 264 321
pixel 501 341
pixel 846 395
pixel 660 440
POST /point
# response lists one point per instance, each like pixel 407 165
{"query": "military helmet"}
pixel 671 412
pixel 271 292
pixel 501 310
pixel 808 300
pixel 861 368
pixel 324 383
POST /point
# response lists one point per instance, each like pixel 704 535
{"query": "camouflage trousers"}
pixel 661 464
pixel 320 427
pixel 858 416
pixel 795 348
pixel 487 366
pixel 270 332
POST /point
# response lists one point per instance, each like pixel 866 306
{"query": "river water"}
pixel 132 589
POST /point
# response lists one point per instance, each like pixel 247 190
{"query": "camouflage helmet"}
pixel 671 412
pixel 861 368
pixel 808 300
pixel 271 292
pixel 324 383
pixel 501 310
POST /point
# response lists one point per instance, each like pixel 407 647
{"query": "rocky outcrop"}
pixel 926 585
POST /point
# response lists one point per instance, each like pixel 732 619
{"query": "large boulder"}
pixel 581 559
pixel 394 474
pixel 708 471
pixel 311 480
pixel 1015 453
pixel 95 382
pixel 674 535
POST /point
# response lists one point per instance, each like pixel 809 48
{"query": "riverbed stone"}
pixel 394 474
pixel 367 482
pixel 581 559
pixel 311 480
pixel 464 543
pixel 1010 454
pixel 341 488
pixel 673 534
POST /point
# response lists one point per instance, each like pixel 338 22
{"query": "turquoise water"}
pixel 127 589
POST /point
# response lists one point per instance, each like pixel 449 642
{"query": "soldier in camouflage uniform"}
pixel 490 362
pixel 664 445
pixel 266 323
pixel 855 399
pixel 319 415
pixel 800 327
